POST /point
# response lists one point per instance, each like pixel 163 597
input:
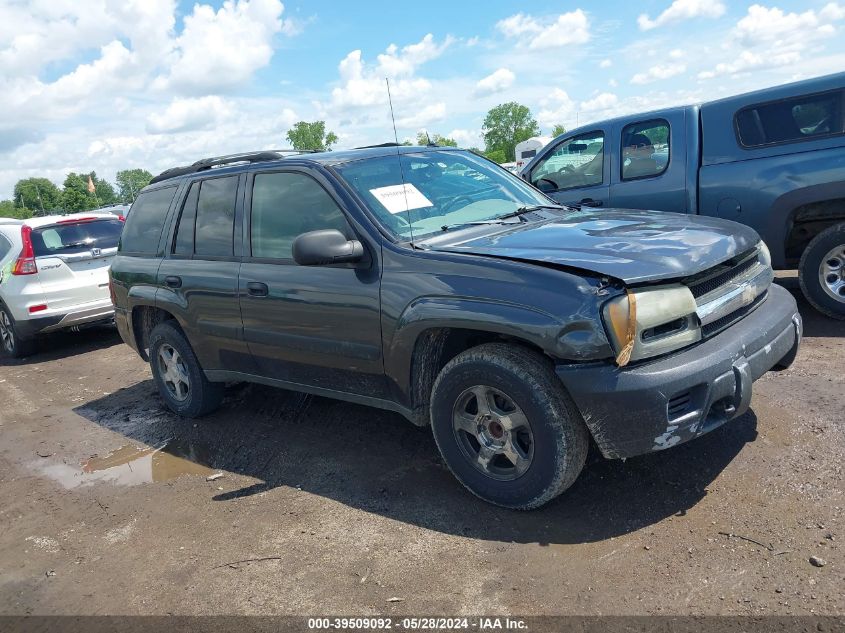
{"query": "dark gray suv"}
pixel 431 282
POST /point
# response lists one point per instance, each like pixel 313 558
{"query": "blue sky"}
pixel 105 85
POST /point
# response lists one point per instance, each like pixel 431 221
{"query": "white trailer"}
pixel 526 150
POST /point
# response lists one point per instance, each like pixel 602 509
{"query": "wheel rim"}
pixel 7 334
pixel 493 433
pixel 173 373
pixel 832 273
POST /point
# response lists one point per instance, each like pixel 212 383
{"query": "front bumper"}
pixel 658 404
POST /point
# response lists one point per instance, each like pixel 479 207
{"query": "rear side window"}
pixel 790 120
pixel 145 221
pixel 184 244
pixel 286 205
pixel 215 222
pixel 76 237
pixel 645 149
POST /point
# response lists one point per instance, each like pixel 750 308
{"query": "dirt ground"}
pixel 349 508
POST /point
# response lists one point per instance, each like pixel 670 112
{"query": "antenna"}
pixel 399 160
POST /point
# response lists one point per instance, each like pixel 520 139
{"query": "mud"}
pixel 349 506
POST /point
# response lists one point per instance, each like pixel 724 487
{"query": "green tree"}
pixel 443 141
pixel 104 190
pixel 505 126
pixel 75 195
pixel 37 194
pixel 313 136
pixel 130 182
pixel 558 130
pixel 496 155
pixel 9 210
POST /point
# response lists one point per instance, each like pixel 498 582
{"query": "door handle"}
pixel 257 289
pixel 172 281
pixel 589 202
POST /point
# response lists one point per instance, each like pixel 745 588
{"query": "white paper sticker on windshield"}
pixel 394 197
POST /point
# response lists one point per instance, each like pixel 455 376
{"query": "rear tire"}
pixel 177 373
pixel 821 272
pixel 11 343
pixel 506 427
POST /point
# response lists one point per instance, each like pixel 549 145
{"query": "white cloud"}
pixel 467 138
pixel 567 28
pixel 425 116
pixel 772 25
pixel 683 10
pixel 362 84
pixel 556 108
pixel 605 63
pixel 603 101
pixel 749 60
pixel 768 38
pixel 498 81
pixel 184 115
pixel 655 73
pixel 220 50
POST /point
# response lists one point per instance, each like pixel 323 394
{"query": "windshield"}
pixel 442 188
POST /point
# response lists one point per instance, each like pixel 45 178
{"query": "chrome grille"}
pixel 711 283
pixel 728 292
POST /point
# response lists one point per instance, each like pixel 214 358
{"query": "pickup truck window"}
pixel 286 205
pixel 215 223
pixel 790 120
pixel 645 149
pixel 576 162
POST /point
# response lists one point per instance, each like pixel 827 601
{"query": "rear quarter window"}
pixel 790 120
pixel 146 220
pixel 75 237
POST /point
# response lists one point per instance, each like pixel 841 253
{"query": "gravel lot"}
pixel 347 508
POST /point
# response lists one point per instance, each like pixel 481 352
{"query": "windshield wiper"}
pixel 528 209
pixel 513 214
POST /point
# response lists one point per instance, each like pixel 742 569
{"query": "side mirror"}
pixel 328 246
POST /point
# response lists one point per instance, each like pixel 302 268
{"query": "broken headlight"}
pixel 652 321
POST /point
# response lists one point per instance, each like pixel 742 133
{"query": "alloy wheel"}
pixel 7 334
pixel 174 373
pixel 832 273
pixel 493 433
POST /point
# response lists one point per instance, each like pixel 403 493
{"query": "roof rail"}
pixel 391 144
pixel 229 159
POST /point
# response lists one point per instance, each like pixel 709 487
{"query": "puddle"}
pixel 130 465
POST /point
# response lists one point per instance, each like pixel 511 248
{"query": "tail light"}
pixel 25 263
pixel 122 218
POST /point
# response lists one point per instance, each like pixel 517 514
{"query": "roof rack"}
pixel 229 159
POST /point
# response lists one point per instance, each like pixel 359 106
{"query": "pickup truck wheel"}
pixel 506 427
pixel 11 344
pixel 822 272
pixel 178 375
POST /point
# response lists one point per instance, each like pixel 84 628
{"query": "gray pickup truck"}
pixel 772 159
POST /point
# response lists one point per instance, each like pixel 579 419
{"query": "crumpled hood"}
pixel 631 245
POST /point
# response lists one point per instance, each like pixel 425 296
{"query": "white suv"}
pixel 54 275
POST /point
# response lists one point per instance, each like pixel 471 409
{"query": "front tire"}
pixel 822 272
pixel 506 427
pixel 11 343
pixel 177 373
